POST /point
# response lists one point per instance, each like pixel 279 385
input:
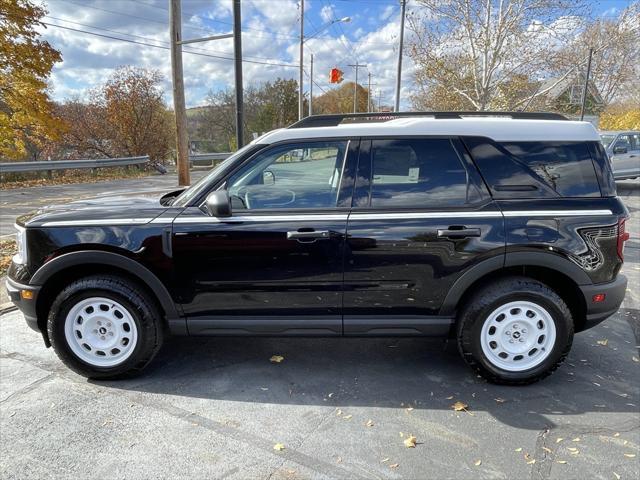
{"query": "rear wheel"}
pixel 515 331
pixel 104 327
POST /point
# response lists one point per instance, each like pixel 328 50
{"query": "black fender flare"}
pixel 84 257
pixel 514 259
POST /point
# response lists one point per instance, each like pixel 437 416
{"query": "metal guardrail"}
pixel 198 159
pixel 207 159
pixel 43 166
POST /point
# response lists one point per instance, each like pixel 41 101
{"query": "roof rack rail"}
pixel 333 120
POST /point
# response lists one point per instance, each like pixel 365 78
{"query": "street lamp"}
pixel 302 40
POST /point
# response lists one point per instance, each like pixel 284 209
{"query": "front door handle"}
pixel 309 236
pixel 458 232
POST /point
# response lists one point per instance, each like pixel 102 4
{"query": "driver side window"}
pixel 291 176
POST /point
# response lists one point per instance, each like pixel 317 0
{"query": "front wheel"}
pixel 515 331
pixel 104 327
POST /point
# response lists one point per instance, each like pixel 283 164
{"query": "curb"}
pixel 7 308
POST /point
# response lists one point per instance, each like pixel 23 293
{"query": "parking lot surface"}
pixel 332 408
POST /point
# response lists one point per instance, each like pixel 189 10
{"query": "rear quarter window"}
pixel 566 167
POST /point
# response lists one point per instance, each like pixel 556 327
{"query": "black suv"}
pixel 502 230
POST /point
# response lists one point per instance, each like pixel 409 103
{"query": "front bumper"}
pixel 614 295
pixel 19 297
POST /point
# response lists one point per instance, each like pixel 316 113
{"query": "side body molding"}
pixel 85 257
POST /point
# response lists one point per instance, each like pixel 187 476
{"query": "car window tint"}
pixel 564 166
pixel 417 173
pixel 299 175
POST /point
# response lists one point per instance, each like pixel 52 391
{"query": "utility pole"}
pixel 355 86
pixel 300 96
pixel 403 4
pixel 311 87
pixel 369 93
pixel 237 54
pixel 182 141
pixel 379 100
pixel 586 85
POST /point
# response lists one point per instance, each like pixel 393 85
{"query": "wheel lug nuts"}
pixel 524 330
pixel 522 339
pixel 102 337
pixel 111 333
pixel 508 332
pixel 108 324
pixel 510 341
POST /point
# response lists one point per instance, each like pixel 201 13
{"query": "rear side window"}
pixel 566 167
pixel 417 173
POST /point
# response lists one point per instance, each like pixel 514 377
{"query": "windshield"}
pixel 607 139
pixel 196 189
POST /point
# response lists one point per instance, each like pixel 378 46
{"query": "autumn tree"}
pixel 267 106
pixel 616 51
pixel 480 54
pixel 26 112
pixel 340 100
pixel 126 116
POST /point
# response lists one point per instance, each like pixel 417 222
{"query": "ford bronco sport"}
pixel 502 230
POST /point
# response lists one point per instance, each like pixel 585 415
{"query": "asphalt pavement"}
pixel 340 408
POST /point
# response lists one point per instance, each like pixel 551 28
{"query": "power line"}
pixel 273 64
pixel 146 38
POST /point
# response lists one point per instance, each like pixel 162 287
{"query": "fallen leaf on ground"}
pixel 603 342
pixel 339 460
pixel 410 442
pixel 347 417
pixel 394 465
pixel 460 406
pixel 384 460
pixel 477 463
pixel 617 434
pixel 630 455
pixel 450 398
pixel 635 359
pixel 409 409
pixel 369 423
pixel 531 462
pixel 500 400
pixel 577 439
pixel 616 475
pixel 558 440
pixel 279 447
pixel 338 412
pixel 276 359
pixel 572 449
pixel 548 450
pixel 561 461
pixel 519 449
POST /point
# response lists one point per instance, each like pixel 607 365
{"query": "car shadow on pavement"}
pixel 599 375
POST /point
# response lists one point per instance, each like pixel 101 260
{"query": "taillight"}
pixel 623 236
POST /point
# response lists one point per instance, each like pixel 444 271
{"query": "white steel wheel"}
pixel 100 331
pixel 518 336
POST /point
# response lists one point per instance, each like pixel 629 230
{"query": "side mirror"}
pixel 218 204
pixel 620 149
pixel 268 177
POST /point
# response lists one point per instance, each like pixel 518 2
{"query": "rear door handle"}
pixel 458 232
pixel 309 236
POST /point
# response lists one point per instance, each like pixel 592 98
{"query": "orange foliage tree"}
pixel 26 112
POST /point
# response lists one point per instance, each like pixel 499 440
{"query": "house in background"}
pixel 565 96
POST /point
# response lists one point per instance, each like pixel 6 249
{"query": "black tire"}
pixel 142 309
pixel 475 312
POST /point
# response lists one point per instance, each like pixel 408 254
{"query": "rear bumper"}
pixel 26 305
pixel 614 295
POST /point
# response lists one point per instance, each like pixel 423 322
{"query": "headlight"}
pixel 21 241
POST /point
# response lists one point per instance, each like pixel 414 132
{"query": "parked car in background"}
pixel 623 149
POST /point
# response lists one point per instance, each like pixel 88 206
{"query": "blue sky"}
pixel 270 42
